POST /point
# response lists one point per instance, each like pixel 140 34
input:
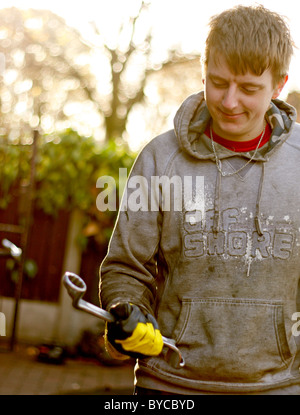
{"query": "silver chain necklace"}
pixel 218 161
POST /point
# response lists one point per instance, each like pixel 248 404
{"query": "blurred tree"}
pixel 133 63
pixel 165 90
pixel 293 98
pixel 67 171
pixel 55 79
pixel 46 70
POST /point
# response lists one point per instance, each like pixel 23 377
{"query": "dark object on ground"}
pixel 53 354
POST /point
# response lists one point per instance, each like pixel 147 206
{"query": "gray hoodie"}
pixel 215 259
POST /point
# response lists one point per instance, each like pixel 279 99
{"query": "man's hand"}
pixel 134 333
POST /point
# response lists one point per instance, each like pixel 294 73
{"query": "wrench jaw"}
pixel 173 355
pixel 75 286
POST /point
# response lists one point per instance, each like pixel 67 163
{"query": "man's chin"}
pixel 229 131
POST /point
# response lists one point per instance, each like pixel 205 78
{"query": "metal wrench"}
pixel 76 288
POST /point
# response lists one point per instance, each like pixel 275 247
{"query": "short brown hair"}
pixel 251 38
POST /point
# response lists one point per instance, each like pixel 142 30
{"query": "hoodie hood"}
pixel 193 116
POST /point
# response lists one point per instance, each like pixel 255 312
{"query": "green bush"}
pixel 67 169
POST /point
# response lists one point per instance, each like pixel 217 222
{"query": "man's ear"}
pixel 280 87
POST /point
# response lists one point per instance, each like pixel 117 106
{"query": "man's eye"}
pixel 249 90
pixel 219 85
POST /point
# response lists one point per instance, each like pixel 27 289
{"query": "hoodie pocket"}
pixel 232 339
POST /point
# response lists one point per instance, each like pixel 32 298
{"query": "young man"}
pixel 220 274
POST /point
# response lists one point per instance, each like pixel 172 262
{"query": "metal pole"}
pixel 24 237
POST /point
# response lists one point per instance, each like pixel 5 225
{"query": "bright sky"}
pixel 174 21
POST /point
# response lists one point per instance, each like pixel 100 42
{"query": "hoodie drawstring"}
pixel 257 217
pixel 217 213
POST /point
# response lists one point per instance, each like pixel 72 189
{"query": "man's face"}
pixel 238 103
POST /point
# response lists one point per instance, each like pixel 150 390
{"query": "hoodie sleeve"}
pixel 129 270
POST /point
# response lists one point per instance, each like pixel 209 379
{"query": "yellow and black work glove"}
pixel 133 333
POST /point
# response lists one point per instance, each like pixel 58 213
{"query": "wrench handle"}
pixel 95 311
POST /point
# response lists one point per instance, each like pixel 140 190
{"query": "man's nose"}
pixel 230 98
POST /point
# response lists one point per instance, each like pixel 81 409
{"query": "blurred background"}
pixel 83 87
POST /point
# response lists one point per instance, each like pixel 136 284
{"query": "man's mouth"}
pixel 231 116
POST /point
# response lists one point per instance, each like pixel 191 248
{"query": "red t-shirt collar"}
pixel 240 146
